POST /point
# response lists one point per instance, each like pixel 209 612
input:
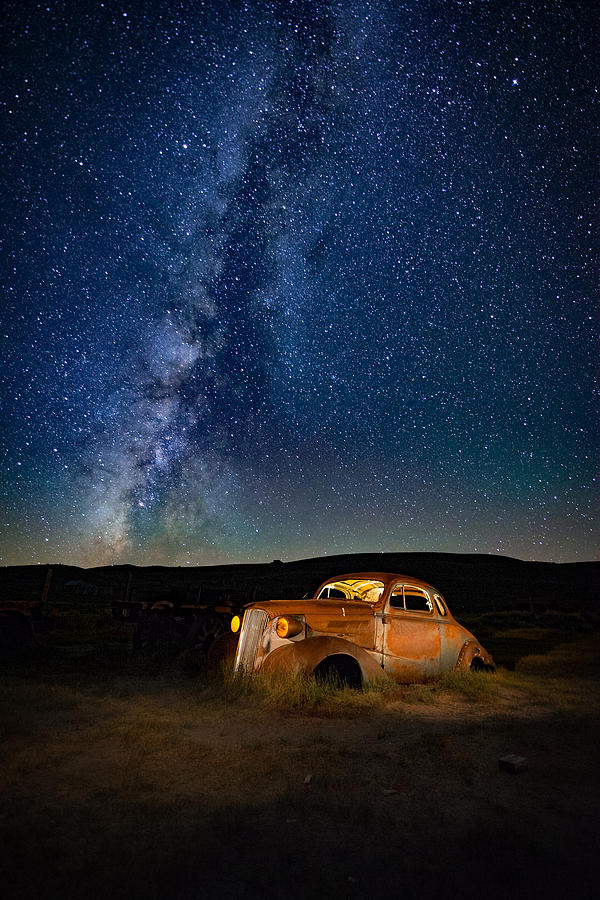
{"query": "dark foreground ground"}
pixel 122 783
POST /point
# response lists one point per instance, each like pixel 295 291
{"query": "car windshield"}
pixel 368 590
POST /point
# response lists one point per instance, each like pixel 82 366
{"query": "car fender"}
pixel 471 650
pixel 304 656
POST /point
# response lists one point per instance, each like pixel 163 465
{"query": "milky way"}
pixel 290 278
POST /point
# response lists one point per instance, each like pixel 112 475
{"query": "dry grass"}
pixel 123 785
pixel 288 692
pixel 476 686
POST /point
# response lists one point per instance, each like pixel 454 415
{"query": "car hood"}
pixel 347 618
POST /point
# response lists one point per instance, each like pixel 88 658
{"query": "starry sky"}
pixel 283 278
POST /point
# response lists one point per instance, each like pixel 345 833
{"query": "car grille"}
pixel 250 635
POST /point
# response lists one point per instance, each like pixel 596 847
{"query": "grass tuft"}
pixel 298 692
pixel 476 686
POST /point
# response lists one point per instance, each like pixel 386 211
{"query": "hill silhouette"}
pixel 471 582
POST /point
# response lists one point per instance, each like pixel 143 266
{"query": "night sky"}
pixel 282 279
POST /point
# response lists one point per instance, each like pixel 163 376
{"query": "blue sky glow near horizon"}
pixel 282 279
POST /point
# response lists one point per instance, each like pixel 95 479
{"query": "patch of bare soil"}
pixel 171 793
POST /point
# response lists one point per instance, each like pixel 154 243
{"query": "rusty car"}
pixel 358 628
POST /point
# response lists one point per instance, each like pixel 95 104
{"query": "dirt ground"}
pixel 115 785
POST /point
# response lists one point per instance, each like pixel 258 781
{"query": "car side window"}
pixel 397 598
pixel 416 599
pixel 440 605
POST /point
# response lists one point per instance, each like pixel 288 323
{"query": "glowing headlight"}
pixel 235 624
pixel 288 628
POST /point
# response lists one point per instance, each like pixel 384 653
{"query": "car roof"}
pixel 386 577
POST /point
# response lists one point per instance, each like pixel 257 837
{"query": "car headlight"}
pixel 287 627
pixel 235 624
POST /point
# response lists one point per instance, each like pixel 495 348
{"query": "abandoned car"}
pixel 356 629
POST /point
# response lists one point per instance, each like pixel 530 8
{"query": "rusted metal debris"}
pixel 512 763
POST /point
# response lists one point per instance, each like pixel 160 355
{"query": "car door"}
pixel 411 634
